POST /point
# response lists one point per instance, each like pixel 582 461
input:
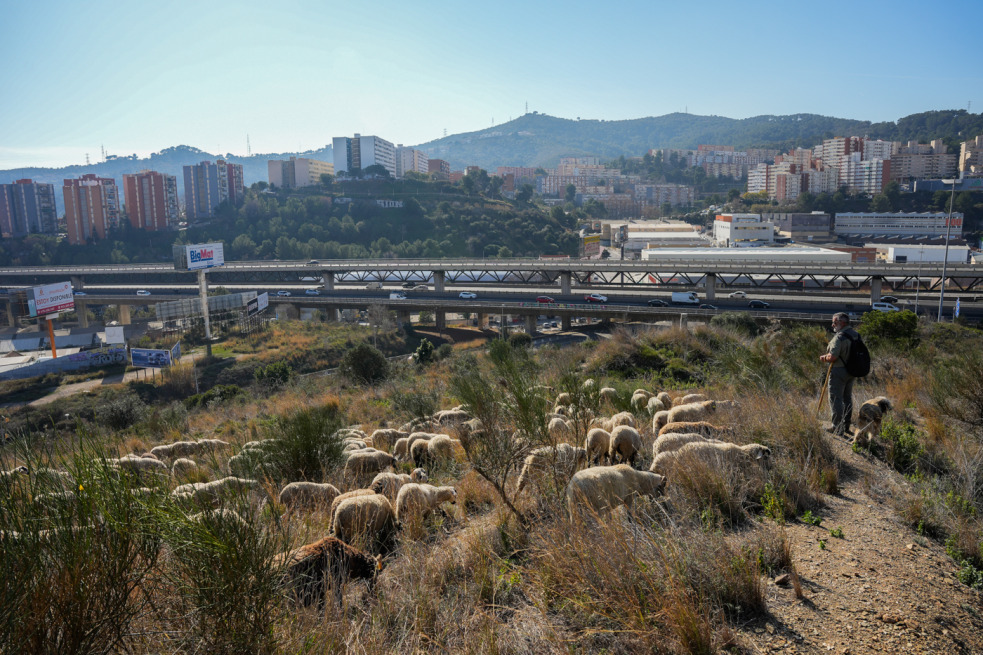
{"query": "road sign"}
pixel 957 308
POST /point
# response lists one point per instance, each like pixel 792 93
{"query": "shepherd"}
pixel 839 376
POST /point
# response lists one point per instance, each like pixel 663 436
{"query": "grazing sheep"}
pixel 640 399
pixel 562 410
pixel 691 411
pixel 563 399
pixel 416 501
pixel 622 418
pixel 419 436
pixel 366 463
pixel 659 419
pixel 212 445
pixel 56 500
pixel 342 498
pixel 47 478
pixel 625 444
pixel 308 571
pixel 671 441
pixel 440 448
pixel 388 484
pixel 7 477
pixel 176 449
pixel 401 449
pixel 559 429
pixel 689 399
pixel 565 458
pixel 262 444
pixel 182 467
pixel 136 464
pixel 717 454
pixel 588 384
pixel 211 493
pixel 308 494
pixel 608 394
pixel 451 418
pixel 602 488
pixel 596 444
pixel 665 398
pixel 470 427
pixel 222 517
pixel 368 519
pixel 355 446
pixel 642 392
pixel 654 405
pixel 869 418
pixel 702 427
pixel 417 424
pixel 385 438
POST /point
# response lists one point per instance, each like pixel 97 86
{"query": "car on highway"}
pixel 545 300
pixel 737 294
pixel 883 307
pixel 312 292
pixel 595 297
pixel 79 293
pixel 707 305
pixel 143 292
pixel 467 295
pixel 658 302
pixel 282 293
pixel 408 285
pixel 758 304
pixel 891 299
pixel 313 262
pixel 421 287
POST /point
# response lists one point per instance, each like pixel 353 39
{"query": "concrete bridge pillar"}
pixel 83 313
pixel 565 282
pixel 565 322
pixel 531 324
pixel 124 314
pixel 438 281
pixel 711 286
pixel 11 317
pixel 683 321
pixel 481 321
pixel 327 281
pixel 403 317
pixel 332 314
pixel 78 282
pixel 875 288
pixel 440 319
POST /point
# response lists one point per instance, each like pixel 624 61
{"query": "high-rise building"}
pixel 411 159
pixel 150 200
pixel 440 167
pixel 360 152
pixel 297 172
pixel 207 185
pixel 971 157
pixel 91 207
pixel 27 207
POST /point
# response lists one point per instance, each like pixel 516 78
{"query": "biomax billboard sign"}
pixel 198 256
pixel 51 299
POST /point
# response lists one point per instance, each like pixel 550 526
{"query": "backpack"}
pixel 857 362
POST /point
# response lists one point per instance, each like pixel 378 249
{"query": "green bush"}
pixel 894 329
pixel 740 322
pixel 424 352
pixel 520 340
pixel 364 364
pixel 305 446
pixel 274 376
pixel 217 393
pixel 903 446
pixel 121 412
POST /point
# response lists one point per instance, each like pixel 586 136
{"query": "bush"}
pixel 424 352
pixel 740 322
pixel 903 446
pixel 895 329
pixel 217 393
pixel 444 351
pixel 121 412
pixel 520 340
pixel 364 364
pixel 274 376
pixel 305 446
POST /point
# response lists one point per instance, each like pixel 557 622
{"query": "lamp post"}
pixel 945 257
pixel 918 277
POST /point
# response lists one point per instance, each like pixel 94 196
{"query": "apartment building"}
pixel 911 224
pixel 27 207
pixel 91 207
pixel 440 168
pixel 971 157
pixel 207 185
pixel 360 152
pixel 656 195
pixel 151 200
pixel 297 172
pixel 411 159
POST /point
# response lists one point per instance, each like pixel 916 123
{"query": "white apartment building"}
pixel 924 224
pixel 971 157
pixel 297 172
pixel 363 151
pixel 411 159
pixel 742 230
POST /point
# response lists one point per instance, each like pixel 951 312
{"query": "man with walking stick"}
pixel 838 378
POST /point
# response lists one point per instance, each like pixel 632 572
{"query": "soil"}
pixel 882 588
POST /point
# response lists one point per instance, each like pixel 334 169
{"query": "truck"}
pixel 397 295
pixel 374 285
pixel 685 298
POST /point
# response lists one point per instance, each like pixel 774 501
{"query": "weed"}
pixel 836 533
pixel 811 519
pixel 822 544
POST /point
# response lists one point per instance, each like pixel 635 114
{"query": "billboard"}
pixel 259 303
pixel 50 299
pixel 198 256
pixel 592 245
pixel 150 358
pixel 114 334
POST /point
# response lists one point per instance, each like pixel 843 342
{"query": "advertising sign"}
pixel 115 334
pixel 198 256
pixel 50 299
pixel 592 246
pixel 176 353
pixel 256 305
pixel 150 358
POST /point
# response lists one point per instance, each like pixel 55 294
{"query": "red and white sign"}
pixel 51 299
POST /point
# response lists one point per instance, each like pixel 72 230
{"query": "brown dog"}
pixel 310 569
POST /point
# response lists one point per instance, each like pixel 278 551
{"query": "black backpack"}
pixel 858 362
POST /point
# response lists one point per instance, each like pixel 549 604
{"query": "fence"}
pixel 73 362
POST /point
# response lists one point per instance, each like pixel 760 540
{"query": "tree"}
pixel 426 317
pixel 364 364
pixel 424 352
pixel 525 193
pixel 880 204
pixel 327 179
pixel 570 193
pixel 377 170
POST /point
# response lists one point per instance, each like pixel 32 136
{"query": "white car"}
pixel 883 307
pixel 143 292
pixel 737 294
pixel 467 295
pixel 312 292
pixel 282 293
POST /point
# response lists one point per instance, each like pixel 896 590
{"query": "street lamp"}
pixel 945 257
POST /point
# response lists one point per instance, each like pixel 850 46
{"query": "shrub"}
pixel 957 386
pixel 520 340
pixel 217 393
pixel 274 376
pixel 740 322
pixel 444 351
pixel 895 329
pixel 121 412
pixel 364 364
pixel 305 446
pixel 424 352
pixel 903 445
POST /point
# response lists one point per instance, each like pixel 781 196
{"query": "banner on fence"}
pixel 150 358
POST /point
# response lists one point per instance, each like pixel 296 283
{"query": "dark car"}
pixel 758 304
pixel 891 299
pixel 408 285
pixel 707 306
pixel 545 300
pixel 658 302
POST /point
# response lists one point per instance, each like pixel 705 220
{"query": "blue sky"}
pixel 137 77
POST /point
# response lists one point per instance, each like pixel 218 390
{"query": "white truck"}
pixel 397 295
pixel 685 298
pixel 374 285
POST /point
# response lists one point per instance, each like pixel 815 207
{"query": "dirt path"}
pixel 880 589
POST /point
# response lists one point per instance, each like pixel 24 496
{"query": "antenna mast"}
pixel 249 150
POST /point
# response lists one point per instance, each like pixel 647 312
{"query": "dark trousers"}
pixel 841 399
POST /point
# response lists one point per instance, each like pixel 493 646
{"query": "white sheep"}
pixel 559 429
pixel 223 517
pixel 665 398
pixel 625 444
pixel 691 412
pixel 715 454
pixel 654 405
pixel 689 399
pixel 702 427
pixel 670 441
pixel 596 445
pixel 308 494
pixel 365 519
pixel 211 493
pixel 366 463
pixel 659 419
pixel 449 418
pixel 183 467
pixel 588 384
pixel 565 458
pixel 608 394
pixel 622 418
pixel 176 449
pixel 8 477
pixel 639 401
pixel 388 484
pixel 416 501
pixel 384 438
pixel 342 498
pixel 602 488
pixel 47 478
pixel 563 399
pixel 137 464
pixel 869 419
pixel 401 449
pixel 441 448
pixel 212 445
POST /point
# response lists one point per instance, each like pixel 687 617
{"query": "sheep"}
pixel 137 465
pixel 563 399
pixel 182 467
pixel 176 449
pixel 671 441
pixel 869 417
pixel 596 444
pixel 691 412
pixel 433 451
pixel 419 423
pixel 222 518
pixel 418 436
pixel 308 571
pixel 588 384
pixel 210 493
pixel 354 433
pixel 625 444
pixel 559 429
pixel 342 498
pixel 701 427
pixel 369 519
pixel 659 419
pixel 212 445
pixel 262 444
pixel 416 501
pixel 565 458
pixel 8 477
pixel 56 500
pixel 45 478
pixel 622 418
pixel 366 463
pixel 689 399
pixel 654 405
pixel 308 494
pixel 383 439
pixel 608 394
pixel 639 401
pixel 401 449
pixel 715 454
pixel 354 446
pixel 602 488
pixel 665 399
pixel 450 417
pixel 470 427
pixel 389 484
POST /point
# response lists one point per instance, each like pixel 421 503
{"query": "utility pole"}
pixel 945 257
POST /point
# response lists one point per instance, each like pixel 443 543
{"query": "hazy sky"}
pixel 137 77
